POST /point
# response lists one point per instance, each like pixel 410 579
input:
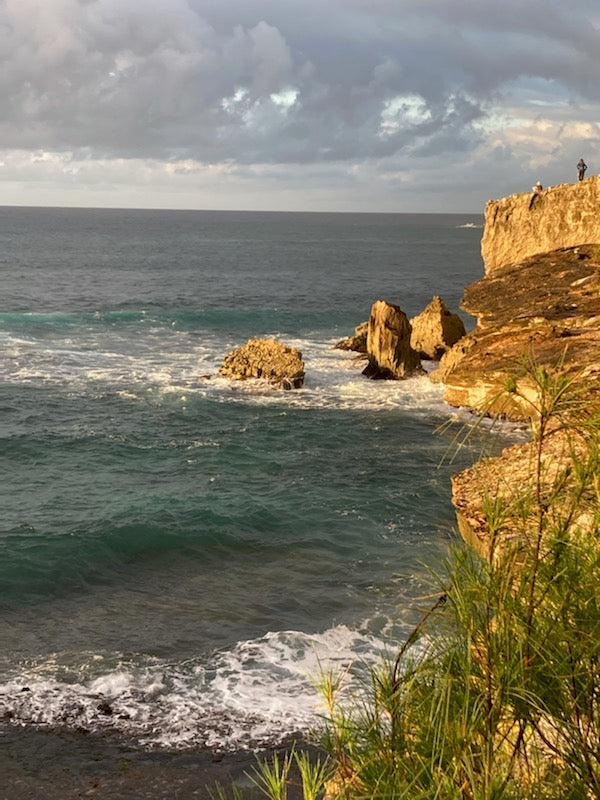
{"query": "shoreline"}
pixel 67 765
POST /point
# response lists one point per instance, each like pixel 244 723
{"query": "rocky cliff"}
pixel 539 304
pixel 521 226
pixel 544 310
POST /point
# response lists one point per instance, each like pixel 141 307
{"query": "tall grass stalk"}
pixel 496 693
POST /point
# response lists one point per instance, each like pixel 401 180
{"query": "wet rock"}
pixel 357 342
pixel 267 359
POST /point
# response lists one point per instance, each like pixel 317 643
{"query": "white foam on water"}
pixel 255 694
pixel 173 366
pixel 108 361
pixel 334 380
pixel 176 367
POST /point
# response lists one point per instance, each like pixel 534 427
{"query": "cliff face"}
pixel 540 299
pixel 539 303
pixel 545 310
pixel 518 228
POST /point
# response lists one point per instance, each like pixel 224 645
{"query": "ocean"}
pixel 182 556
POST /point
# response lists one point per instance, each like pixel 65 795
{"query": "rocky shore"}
pixel 538 304
pixel 535 308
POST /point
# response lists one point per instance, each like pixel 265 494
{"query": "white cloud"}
pixel 401 112
pixel 285 99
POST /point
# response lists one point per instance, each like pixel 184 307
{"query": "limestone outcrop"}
pixel 538 306
pixel 268 359
pixel 435 330
pixel 545 310
pixel 357 342
pixel 388 344
pixel 561 216
pixel 509 478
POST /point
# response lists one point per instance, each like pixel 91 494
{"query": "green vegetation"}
pixel 496 694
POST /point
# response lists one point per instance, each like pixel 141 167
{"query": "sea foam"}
pixel 255 694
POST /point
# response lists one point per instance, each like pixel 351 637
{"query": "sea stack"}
pixel 388 344
pixel 435 330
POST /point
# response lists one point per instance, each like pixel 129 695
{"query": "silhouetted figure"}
pixel 535 192
pixel 581 168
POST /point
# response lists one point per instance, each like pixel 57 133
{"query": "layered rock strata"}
pixel 545 310
pixel 268 359
pixel 538 306
pixel 388 344
pixel 509 481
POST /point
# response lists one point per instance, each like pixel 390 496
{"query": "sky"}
pixel 295 105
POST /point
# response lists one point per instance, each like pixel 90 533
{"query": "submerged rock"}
pixel 388 344
pixel 268 359
pixel 435 330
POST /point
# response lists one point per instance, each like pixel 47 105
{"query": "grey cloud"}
pixel 186 78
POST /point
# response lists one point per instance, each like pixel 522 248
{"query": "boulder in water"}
pixel 268 359
pixel 435 330
pixel 388 344
pixel 358 342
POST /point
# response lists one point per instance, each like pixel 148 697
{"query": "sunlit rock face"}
pixel 561 216
pixel 267 359
pixel 542 309
pixel 513 474
pixel 435 330
pixel 388 344
pixel 538 306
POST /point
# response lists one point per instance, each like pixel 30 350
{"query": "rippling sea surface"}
pixel 182 555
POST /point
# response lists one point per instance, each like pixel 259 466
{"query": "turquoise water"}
pixel 188 549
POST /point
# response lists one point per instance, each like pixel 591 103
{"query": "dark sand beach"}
pixel 69 765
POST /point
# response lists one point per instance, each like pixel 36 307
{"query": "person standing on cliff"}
pixel 581 168
pixel 535 192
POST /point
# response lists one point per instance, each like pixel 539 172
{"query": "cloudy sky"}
pixel 334 105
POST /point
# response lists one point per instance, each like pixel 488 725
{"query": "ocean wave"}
pixel 255 694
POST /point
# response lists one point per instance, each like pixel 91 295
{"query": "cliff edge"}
pixel 539 305
pixel 521 226
pixel 539 299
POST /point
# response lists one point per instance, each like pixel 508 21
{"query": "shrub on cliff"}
pixel 496 694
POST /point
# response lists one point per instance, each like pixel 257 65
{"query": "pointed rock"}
pixel 388 344
pixel 435 330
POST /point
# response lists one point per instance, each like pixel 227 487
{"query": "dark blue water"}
pixel 190 549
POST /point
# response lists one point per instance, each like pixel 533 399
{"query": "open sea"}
pixel 180 555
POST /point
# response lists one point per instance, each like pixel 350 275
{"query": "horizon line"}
pixel 236 210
